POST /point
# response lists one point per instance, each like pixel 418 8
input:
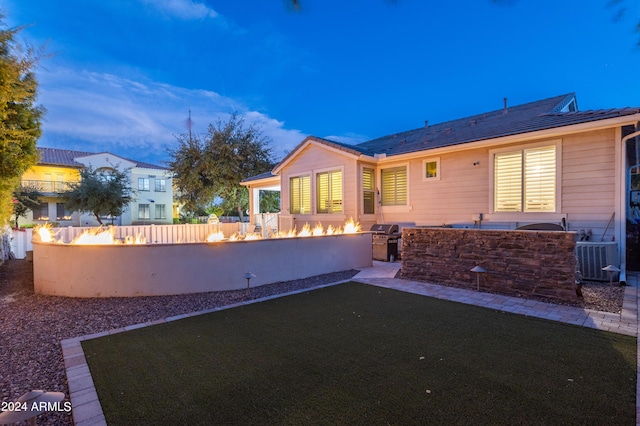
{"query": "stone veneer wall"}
pixel 518 262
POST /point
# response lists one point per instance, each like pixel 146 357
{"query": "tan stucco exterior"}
pixel 162 269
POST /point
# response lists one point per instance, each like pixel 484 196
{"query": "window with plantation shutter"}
pixel 508 182
pixel 300 195
pixel 368 191
pixel 540 179
pixel 329 192
pixel 394 186
pixel 525 180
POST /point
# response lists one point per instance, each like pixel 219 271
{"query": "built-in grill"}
pixel 385 242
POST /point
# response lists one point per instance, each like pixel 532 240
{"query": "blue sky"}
pixel 123 74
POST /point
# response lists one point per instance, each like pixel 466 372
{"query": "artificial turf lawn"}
pixel 358 354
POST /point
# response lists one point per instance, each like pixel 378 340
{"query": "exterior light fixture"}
pixel 611 270
pixel 248 277
pixel 478 270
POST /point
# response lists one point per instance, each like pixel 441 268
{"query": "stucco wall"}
pixel 518 262
pixel 161 269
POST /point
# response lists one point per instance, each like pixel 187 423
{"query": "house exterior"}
pixel 57 168
pixel 541 162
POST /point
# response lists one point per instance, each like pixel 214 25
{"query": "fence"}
pixel 154 234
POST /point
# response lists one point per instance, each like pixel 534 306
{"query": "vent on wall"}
pixel 592 257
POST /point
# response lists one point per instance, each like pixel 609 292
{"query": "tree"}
pixel 269 201
pixel 26 197
pixel 19 116
pixel 213 166
pixel 100 192
pixel 192 167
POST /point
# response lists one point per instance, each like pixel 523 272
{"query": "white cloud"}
pixel 183 9
pixel 136 118
pixel 348 138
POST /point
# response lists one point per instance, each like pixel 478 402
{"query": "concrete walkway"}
pixel 87 410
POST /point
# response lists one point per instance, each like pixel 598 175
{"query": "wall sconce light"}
pixel 477 163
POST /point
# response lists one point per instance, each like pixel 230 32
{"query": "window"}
pixel 161 185
pixel 106 173
pixel 62 213
pixel 394 186
pixel 161 211
pixel 143 184
pixel 329 192
pixel 300 195
pixel 41 212
pixel 144 211
pixel 431 169
pixel 525 180
pixel 368 191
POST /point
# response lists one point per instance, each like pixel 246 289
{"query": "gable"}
pixel 105 160
pixel 324 148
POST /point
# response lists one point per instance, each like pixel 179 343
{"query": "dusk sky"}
pixel 122 75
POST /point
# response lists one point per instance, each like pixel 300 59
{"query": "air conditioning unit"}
pixel 593 256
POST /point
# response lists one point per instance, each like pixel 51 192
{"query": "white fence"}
pixel 154 234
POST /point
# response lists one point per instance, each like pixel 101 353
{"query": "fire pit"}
pixel 127 270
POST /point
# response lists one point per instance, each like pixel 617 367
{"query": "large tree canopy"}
pixel 210 166
pixel 19 116
pixel 102 193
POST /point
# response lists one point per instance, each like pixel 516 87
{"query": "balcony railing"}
pixel 47 186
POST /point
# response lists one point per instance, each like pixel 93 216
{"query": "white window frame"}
pixel 314 189
pixel 148 209
pixel 558 207
pixel 395 208
pixel 311 183
pixel 163 207
pixel 144 184
pixel 374 191
pixel 160 182
pixel 426 178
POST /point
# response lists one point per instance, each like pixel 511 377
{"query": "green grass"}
pixel 357 354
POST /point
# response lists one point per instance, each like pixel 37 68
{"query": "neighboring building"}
pixel 57 168
pixel 544 161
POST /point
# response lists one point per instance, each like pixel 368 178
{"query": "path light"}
pixel 611 270
pixel 248 277
pixel 478 270
pixel 30 405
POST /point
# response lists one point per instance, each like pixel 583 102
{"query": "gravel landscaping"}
pixel 32 326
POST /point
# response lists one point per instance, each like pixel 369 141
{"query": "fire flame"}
pixel 351 227
pixel 96 236
pixel 305 231
pixel 318 230
pixel 215 236
pixel 45 233
pixel 102 235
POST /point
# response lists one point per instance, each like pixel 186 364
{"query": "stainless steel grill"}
pixel 385 242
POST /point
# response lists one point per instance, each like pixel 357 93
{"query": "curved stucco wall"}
pixel 163 269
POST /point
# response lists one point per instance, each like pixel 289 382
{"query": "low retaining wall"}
pixel 518 262
pixel 163 269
